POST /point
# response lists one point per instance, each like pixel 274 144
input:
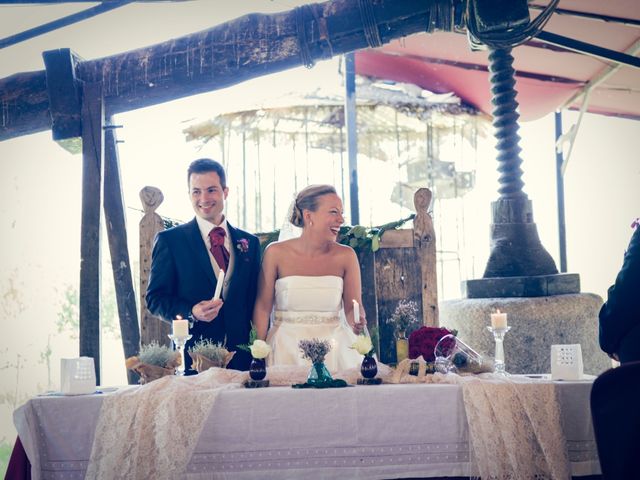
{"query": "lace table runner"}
pixel 151 431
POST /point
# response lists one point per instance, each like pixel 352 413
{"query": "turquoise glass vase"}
pixel 319 374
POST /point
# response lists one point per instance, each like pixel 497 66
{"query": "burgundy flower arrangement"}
pixel 423 342
pixel 242 245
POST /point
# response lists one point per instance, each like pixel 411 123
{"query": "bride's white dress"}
pixel 310 307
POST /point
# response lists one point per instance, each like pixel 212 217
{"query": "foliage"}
pixel 405 317
pixel 374 333
pixel 216 352
pixel 358 237
pixel 253 335
pixel 362 238
pixel 5 453
pixel 170 222
pixel 69 314
pixel 314 349
pixel 156 354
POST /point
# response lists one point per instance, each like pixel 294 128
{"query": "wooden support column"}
pixel 351 121
pixel 92 154
pixel 117 233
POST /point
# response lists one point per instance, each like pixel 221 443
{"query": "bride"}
pixel 310 283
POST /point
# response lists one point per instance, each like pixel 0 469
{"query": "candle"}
pixel 499 320
pixel 180 327
pixel 216 295
pixel 356 312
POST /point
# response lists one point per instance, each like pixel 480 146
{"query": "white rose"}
pixel 260 349
pixel 362 345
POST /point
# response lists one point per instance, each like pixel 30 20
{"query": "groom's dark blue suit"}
pixel 182 275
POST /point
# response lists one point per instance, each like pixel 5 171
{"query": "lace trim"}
pixel 306 318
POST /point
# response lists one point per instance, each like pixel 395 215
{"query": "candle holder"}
pixel 180 341
pixel 498 336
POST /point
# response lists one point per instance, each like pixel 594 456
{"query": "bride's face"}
pixel 327 219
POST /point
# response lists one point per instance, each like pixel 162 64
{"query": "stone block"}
pixel 537 323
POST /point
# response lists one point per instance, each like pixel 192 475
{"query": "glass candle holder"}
pixel 498 337
pixel 180 341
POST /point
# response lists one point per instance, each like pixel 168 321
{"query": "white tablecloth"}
pixel 368 432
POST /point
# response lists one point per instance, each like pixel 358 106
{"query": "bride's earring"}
pixel 311 223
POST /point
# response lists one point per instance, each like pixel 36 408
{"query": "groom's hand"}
pixel 207 310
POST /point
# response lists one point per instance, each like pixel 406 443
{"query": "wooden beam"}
pixel 244 48
pixel 114 213
pixel 92 154
pixel 64 93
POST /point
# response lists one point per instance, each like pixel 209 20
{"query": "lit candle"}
pixel 356 312
pixel 216 295
pixel 499 320
pixel 180 327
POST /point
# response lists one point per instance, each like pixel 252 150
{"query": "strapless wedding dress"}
pixel 306 308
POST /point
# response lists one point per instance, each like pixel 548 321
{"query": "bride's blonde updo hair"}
pixel 307 199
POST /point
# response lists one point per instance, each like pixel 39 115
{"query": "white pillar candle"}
pixel 218 291
pixel 356 312
pixel 180 327
pixel 499 320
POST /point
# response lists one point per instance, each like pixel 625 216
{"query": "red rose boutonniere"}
pixel 242 245
pixel 636 223
pixel 423 342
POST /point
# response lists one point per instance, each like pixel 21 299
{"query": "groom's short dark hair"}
pixel 205 165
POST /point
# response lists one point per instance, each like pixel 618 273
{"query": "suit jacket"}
pixel 620 315
pixel 182 275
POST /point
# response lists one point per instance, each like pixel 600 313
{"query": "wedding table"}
pixel 368 432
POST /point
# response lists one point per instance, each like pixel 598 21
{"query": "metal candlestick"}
pixel 498 336
pixel 180 341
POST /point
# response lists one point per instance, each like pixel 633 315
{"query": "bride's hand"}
pixel 358 328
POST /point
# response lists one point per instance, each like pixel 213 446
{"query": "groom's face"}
pixel 207 196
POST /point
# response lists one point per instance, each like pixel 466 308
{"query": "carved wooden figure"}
pixel 152 327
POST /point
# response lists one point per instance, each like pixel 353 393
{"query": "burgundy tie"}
pixel 220 253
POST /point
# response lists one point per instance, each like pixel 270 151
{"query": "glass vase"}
pixel 402 347
pixel 257 369
pixel 369 367
pixel 319 374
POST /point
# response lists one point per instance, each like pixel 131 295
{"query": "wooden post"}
pixel 152 327
pixel 351 123
pixel 120 264
pixel 424 240
pixel 92 154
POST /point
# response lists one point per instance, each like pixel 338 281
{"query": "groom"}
pixel 186 262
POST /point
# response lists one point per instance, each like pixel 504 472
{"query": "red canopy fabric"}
pixel 547 77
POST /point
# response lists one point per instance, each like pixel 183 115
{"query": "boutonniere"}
pixel 242 245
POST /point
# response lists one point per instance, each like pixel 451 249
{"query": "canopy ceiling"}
pixel 547 77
